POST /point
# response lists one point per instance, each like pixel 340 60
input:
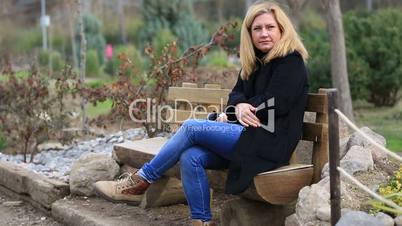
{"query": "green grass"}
pixel 18 74
pixel 100 109
pixel 386 121
pixel 103 107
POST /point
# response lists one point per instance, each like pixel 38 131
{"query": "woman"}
pixel 273 79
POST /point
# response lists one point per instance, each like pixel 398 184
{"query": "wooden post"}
pixel 333 140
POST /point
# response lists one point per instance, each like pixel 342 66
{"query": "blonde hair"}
pixel 289 41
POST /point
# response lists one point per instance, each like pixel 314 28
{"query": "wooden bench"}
pixel 280 186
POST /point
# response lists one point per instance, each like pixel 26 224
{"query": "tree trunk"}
pixel 369 4
pixel 219 10
pixel 70 21
pixel 122 24
pixel 339 71
pixel 82 65
pixel 295 9
pixel 248 3
pixel 86 7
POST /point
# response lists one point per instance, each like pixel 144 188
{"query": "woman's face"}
pixel 265 32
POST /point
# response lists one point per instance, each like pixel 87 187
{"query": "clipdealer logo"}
pixel 271 114
pixel 154 113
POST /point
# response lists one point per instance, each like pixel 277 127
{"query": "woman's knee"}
pixel 190 123
pixel 191 127
pixel 191 158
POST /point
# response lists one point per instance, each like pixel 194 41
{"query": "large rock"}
pixel 313 205
pixel 343 129
pixel 39 188
pixel 247 212
pixel 324 213
pixel 356 159
pixel 359 140
pixel 51 146
pixel 357 155
pixel 343 146
pixel 310 199
pixel 89 169
pixel 292 220
pixel 359 218
pixel 385 218
pixel 398 221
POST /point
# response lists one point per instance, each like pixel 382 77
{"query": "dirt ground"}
pixel 174 215
pixel 178 215
pixel 371 178
pixel 23 214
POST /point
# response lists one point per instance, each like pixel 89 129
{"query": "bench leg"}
pixel 243 212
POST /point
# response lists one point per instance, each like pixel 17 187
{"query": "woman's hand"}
pixel 222 117
pixel 245 113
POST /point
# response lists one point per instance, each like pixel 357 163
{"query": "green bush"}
pixel 92 63
pixel 28 40
pixel 376 38
pixel 162 38
pixel 3 141
pixel 391 191
pixel 61 43
pixel 112 66
pixel 43 57
pixel 93 35
pixel 18 40
pixel 315 37
pixel 319 65
pixel 133 29
pixel 235 42
pixel 95 84
pixel 111 34
pixel 56 61
pixel 48 58
pixel 175 15
pixel 189 32
pixel 216 59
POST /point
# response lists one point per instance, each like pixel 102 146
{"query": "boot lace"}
pixel 124 181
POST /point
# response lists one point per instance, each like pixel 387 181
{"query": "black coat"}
pixel 258 150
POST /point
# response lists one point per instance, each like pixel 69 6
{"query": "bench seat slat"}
pixel 287 168
pixel 282 186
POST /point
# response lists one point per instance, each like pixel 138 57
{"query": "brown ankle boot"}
pixel 129 188
pixel 201 223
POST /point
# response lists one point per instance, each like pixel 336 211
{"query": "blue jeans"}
pixel 199 145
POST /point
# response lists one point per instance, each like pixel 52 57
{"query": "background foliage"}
pixel 374 54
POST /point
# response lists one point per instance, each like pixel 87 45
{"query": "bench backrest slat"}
pixel 317 103
pixel 198 95
pixel 312 131
pixel 179 116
